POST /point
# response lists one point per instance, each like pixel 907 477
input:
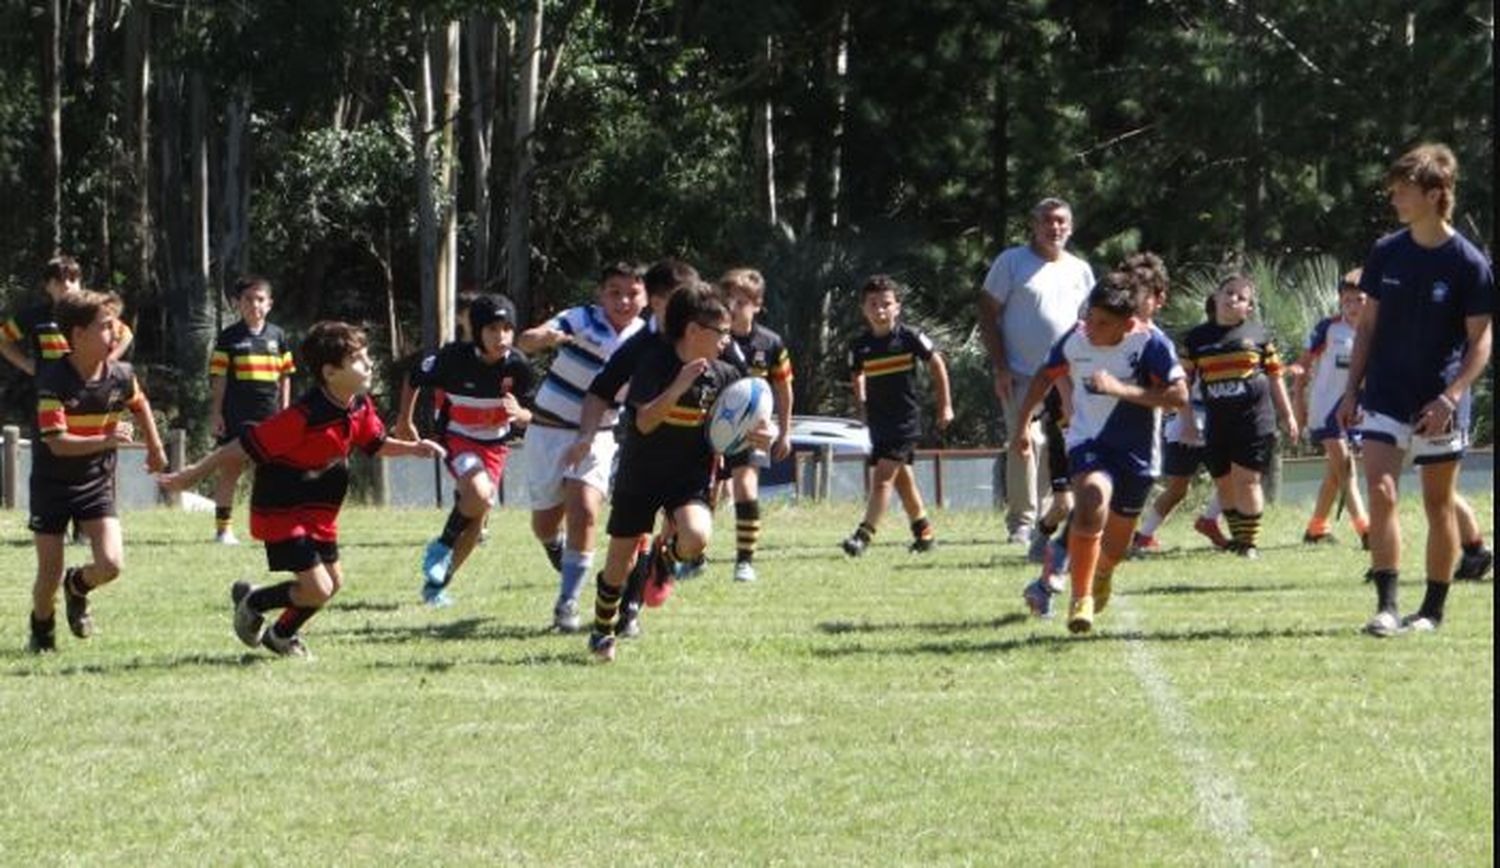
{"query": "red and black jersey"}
pixel 1234 364
pixel 301 457
pixel 889 365
pixel 68 404
pixel 765 354
pixel 677 454
pixel 38 328
pixel 253 365
pixel 471 389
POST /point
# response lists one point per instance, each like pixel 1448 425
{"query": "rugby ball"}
pixel 739 410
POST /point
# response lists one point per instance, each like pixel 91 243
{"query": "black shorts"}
pixel 1249 450
pixel 902 451
pixel 633 513
pixel 55 504
pixel 1057 448
pixel 734 462
pixel 300 553
pixel 233 430
pixel 1180 459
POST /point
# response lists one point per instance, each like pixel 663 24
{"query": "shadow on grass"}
pixel 1060 641
pixel 927 562
pixel 552 658
pixel 1174 590
pixel 137 664
pixel 462 630
pixel 840 628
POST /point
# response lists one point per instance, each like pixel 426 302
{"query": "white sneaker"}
pixel 744 571
pixel 1419 623
pixel 565 617
pixel 226 538
pixel 1384 625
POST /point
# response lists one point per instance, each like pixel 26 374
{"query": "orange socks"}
pixel 1083 558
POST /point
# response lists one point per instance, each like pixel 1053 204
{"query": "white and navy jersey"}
pixel 1144 357
pixel 1424 296
pixel 472 391
pixel 559 401
pixel 1330 345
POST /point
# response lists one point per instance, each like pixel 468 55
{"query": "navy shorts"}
pixel 900 451
pixel 1131 486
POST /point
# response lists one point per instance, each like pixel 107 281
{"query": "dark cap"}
pixel 486 309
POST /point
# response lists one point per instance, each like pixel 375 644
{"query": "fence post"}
pixel 176 460
pixel 382 481
pixel 1272 482
pixel 10 482
pixel 825 472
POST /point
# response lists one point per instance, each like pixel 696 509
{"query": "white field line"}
pixel 1220 802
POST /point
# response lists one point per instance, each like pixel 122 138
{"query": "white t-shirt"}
pixel 1042 300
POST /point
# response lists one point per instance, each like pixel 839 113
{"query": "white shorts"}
pixel 1419 448
pixel 544 464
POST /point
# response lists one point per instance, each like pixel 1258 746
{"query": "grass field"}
pixel 895 710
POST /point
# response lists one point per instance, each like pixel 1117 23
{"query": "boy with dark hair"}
pixel 1240 369
pixel 479 383
pixel 1323 368
pixel 766 357
pixel 666 463
pixel 883 366
pixel 251 375
pixel 1422 341
pixel 1121 371
pixel 567 494
pixel 79 403
pixel 301 477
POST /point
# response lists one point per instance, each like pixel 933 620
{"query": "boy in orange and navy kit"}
pixel 251 371
pixel 80 399
pixel 301 477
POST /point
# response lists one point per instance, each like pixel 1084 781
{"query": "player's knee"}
pixel 107 568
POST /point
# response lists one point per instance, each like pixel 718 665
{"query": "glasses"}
pixel 721 331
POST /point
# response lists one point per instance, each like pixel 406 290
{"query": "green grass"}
pixel 897 709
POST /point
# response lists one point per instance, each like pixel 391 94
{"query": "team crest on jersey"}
pixel 1440 292
pixel 428 364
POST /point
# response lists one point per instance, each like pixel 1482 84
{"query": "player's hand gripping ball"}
pixel 741 408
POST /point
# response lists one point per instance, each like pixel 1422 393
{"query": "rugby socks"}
pixel 43 627
pixel 1432 603
pixel 575 570
pixel 454 528
pixel 221 518
pixel 746 529
pixel 1151 522
pixel 554 550
pixel 1385 590
pixel 864 533
pixel 271 597
pixel 606 606
pixel 1114 542
pixel 1244 528
pixel 1083 557
pixel 921 529
pixel 73 582
pixel 292 619
pixel 635 583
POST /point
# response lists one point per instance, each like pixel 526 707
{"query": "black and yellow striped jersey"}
pixel 889 366
pixel 253 364
pixel 1233 366
pixel 67 404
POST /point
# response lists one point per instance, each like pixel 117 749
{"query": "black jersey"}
pixel 1234 365
pixel 676 454
pixel 67 404
pixel 469 389
pixel 253 364
pixel 38 328
pixel 616 373
pixel 765 354
pixel 889 366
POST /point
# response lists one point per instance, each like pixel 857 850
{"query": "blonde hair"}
pixel 746 281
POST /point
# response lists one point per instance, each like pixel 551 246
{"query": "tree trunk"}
pixel 234 220
pixel 202 302
pixel 52 88
pixel 481 51
pixel 518 232
pixel 138 64
pixel 426 196
pixel 764 133
pixel 999 208
pixel 447 283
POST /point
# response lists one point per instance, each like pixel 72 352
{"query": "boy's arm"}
pixel 781 395
pixel 1284 408
pixel 405 427
pixel 218 385
pixel 1301 378
pixel 395 447
pixel 542 337
pixel 284 400
pixel 650 415
pixel 1359 356
pixel 939 372
pixel 1167 396
pixel 207 466
pixel 857 384
pixel 13 353
pixel 156 455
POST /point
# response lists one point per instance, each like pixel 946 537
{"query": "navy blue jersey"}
pixel 1425 294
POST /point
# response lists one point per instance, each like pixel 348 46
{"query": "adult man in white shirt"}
pixel 1033 293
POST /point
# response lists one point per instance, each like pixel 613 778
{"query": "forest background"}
pixel 376 159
